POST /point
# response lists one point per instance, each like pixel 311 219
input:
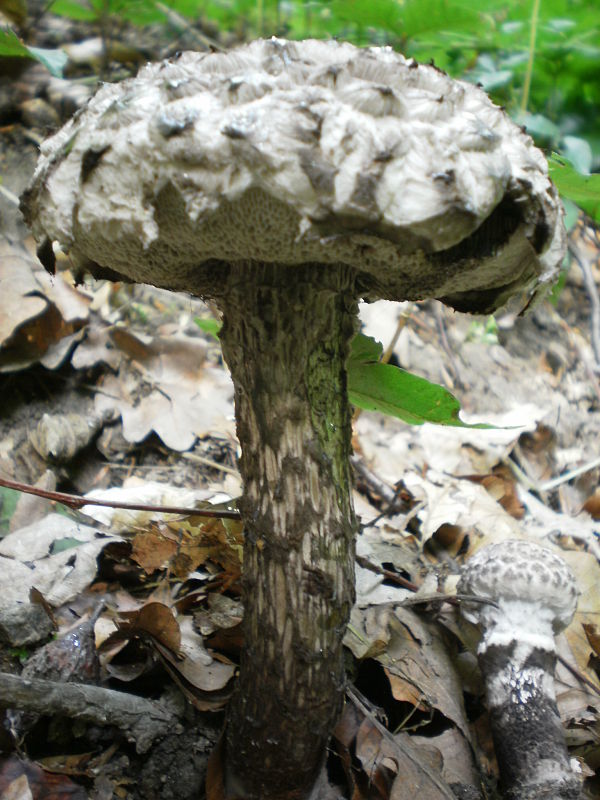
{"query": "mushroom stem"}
pixel 528 735
pixel 285 337
pixel 535 597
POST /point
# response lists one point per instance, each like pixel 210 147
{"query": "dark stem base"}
pixel 286 337
pixel 528 735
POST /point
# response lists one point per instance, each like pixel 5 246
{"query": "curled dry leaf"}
pixel 390 768
pixel 419 668
pixel 218 541
pixel 56 555
pixel 148 493
pixel 40 319
pixel 154 620
pixel 501 485
pixel 39 782
pixel 169 389
pixel 59 437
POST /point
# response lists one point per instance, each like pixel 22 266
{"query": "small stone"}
pixel 37 113
pixel 24 624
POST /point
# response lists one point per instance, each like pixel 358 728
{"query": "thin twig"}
pixel 374 483
pixel 574 340
pixel 182 25
pixel 592 291
pixel 406 751
pixel 529 71
pixel 387 353
pixel 567 476
pixel 10 196
pixel 387 574
pixel 144 720
pixel 579 675
pixel 452 363
pixel 208 462
pixel 452 599
pixel 76 501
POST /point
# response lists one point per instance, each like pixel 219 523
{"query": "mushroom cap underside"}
pixel 302 152
pixel 520 572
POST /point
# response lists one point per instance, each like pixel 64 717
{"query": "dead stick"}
pixel 76 501
pixel 143 720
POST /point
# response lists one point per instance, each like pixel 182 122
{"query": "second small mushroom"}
pixel 534 596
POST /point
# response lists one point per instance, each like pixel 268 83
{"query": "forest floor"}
pixel 107 386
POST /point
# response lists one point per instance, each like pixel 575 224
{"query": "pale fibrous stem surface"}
pixel 285 338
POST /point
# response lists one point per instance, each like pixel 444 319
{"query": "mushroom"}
pixel 534 596
pixel 287 180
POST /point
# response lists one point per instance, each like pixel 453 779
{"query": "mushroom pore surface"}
pixel 302 152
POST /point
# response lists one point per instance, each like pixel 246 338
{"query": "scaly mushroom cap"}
pixel 302 152
pixel 534 590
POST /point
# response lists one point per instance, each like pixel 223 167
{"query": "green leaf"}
pixel 210 326
pixel 8 503
pixel 53 60
pixel 364 350
pixel 373 386
pixel 11 45
pixel 579 153
pixel 76 11
pixel 60 545
pixel 584 190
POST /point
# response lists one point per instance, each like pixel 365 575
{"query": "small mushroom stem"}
pixel 285 337
pixel 528 735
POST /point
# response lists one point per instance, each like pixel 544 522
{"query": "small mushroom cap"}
pixel 525 579
pixel 302 152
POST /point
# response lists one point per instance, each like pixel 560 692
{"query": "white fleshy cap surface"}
pixel 534 590
pixel 298 152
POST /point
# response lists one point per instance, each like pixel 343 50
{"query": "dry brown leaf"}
pixel 500 484
pixel 223 612
pixel 536 451
pixel 457 763
pixel 154 548
pixel 171 391
pixel 40 782
pixel 592 505
pixel 40 318
pixel 593 636
pixel 392 769
pixel 155 620
pixel 587 570
pixel 59 437
pixel 96 347
pixel 418 658
pixel 220 541
pixel 60 575
pixel 377 757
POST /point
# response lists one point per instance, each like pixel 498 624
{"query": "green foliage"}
pixel 584 190
pixel 374 386
pixel 210 326
pixel 8 503
pixel 483 332
pixel 60 545
pixel 138 12
pixel 11 46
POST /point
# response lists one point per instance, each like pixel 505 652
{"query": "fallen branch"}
pixel 142 720
pixel 77 501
